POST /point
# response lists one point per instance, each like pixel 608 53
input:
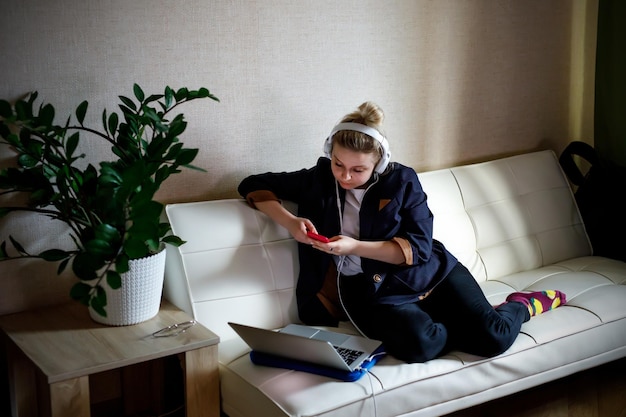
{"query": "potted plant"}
pixel 111 209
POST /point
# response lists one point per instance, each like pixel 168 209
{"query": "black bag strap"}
pixel 583 150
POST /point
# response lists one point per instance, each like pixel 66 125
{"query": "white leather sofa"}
pixel 512 221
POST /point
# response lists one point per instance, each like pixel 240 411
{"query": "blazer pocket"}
pixel 383 203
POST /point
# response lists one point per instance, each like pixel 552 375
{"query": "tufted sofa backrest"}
pixel 507 215
pixel 237 265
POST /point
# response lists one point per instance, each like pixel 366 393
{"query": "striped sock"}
pixel 539 301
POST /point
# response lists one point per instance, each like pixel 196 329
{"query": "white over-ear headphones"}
pixel 369 131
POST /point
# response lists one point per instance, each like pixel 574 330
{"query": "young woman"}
pixel 381 267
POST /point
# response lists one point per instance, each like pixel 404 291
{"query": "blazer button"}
pixel 377 278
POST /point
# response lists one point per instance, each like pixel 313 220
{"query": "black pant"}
pixel 455 316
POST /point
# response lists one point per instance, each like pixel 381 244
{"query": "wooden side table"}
pixel 66 346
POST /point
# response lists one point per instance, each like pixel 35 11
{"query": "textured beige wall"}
pixel 460 81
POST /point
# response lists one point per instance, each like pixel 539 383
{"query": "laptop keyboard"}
pixel 348 355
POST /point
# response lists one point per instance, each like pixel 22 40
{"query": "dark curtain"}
pixel 610 85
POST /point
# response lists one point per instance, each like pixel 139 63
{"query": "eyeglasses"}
pixel 174 329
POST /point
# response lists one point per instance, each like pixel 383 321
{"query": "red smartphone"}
pixel 318 237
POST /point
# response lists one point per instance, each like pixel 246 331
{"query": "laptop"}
pixel 308 344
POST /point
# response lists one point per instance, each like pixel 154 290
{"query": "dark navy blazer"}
pixel 395 206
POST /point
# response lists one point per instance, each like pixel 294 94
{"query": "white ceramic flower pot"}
pixel 139 297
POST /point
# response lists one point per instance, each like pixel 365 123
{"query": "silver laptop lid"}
pixel 303 348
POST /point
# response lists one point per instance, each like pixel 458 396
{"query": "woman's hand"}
pixel 298 227
pixel 338 245
pixel 385 251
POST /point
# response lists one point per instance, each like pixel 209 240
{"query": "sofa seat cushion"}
pixel 547 348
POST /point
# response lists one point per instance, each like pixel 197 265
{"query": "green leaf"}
pixel 173 151
pixel 158 147
pixel 169 97
pixel 128 112
pixel 3 250
pixel 152 114
pixel 109 175
pixel 174 240
pixel 54 255
pixel 46 115
pixel 72 144
pixel 109 180
pixel 17 246
pixel 13 140
pixel 214 98
pixel 81 111
pixel 80 292
pixel 113 121
pixel 161 174
pixel 4 129
pixel 23 110
pixel 138 92
pixel 164 228
pixel 104 119
pixel 181 94
pixel 62 266
pixel 35 149
pixel 99 301
pixel 107 232
pixel 153 97
pixel 27 161
pixel 86 265
pixel 121 263
pixel 5 109
pixel 153 245
pixel 32 97
pixel 141 235
pixel 195 168
pixel 129 103
pixel 146 209
pixel 135 248
pixel 98 307
pixel 99 248
pixel 134 174
pixel 177 127
pixel 144 219
pixel 41 197
pixel 186 156
pixel 114 279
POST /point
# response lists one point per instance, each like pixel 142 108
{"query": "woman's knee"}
pixel 407 332
pixel 418 348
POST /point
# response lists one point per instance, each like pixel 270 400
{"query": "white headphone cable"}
pixel 341 258
pixel 340 262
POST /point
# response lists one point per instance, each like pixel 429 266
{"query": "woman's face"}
pixel 352 168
